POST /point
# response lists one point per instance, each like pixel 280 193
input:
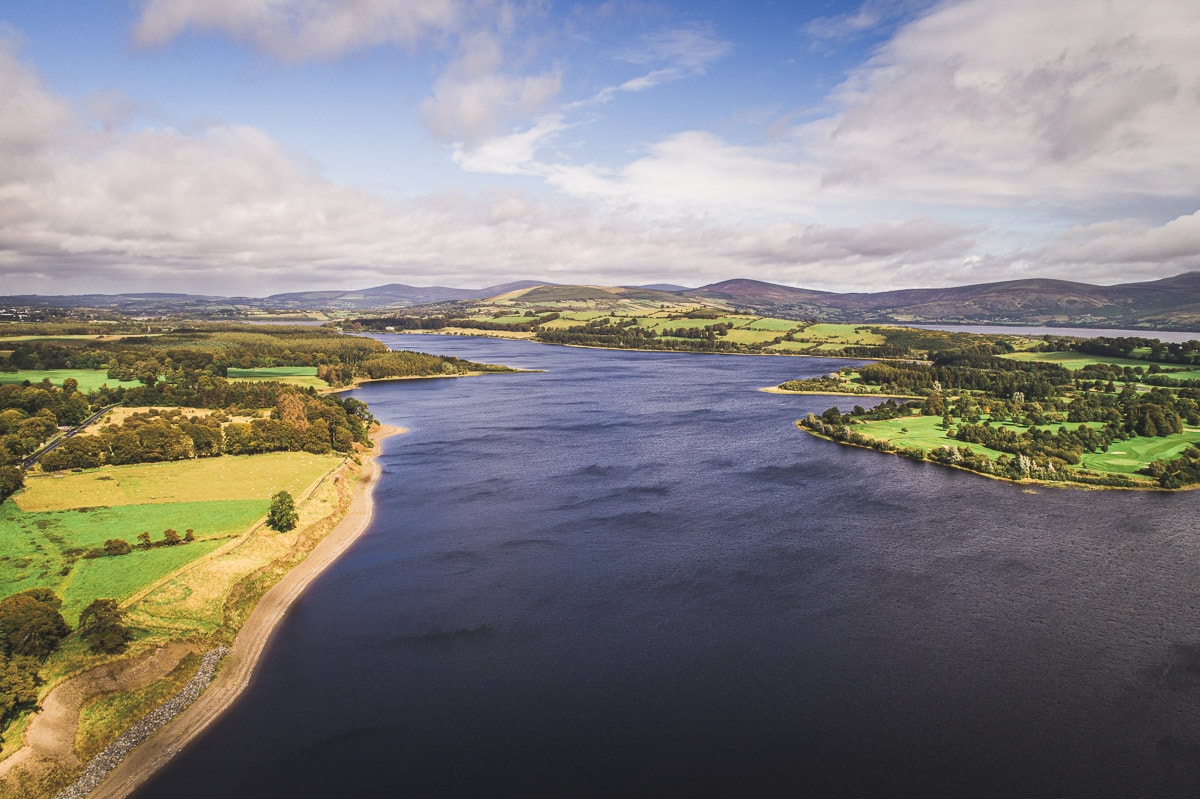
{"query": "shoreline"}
pixel 484 334
pixel 1025 481
pixel 239 665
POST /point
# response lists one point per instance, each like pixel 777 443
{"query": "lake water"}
pixel 630 575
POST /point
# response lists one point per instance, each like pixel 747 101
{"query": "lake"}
pixel 631 575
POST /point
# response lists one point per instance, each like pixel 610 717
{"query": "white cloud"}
pixel 1117 249
pixel 298 30
pixel 1024 102
pixel 227 210
pixel 1027 108
pixel 474 98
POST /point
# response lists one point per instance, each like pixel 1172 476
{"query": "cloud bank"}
pixel 978 142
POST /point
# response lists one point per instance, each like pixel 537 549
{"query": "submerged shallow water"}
pixel 631 575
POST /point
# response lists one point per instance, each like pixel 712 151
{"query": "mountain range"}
pixel 1170 303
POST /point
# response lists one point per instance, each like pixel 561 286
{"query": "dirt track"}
pixel 50 739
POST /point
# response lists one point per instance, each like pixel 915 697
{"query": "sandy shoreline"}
pixel 239 664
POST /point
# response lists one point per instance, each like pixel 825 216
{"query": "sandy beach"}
pixel 239 664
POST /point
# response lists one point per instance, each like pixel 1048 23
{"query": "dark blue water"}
pixel 630 575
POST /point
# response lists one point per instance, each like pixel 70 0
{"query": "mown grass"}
pixel 920 432
pixel 121 577
pixel 89 379
pixel 304 376
pixel 199 480
pixel 1131 455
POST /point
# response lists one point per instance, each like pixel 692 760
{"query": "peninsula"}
pixel 1111 412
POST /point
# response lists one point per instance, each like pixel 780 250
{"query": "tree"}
pixel 101 625
pixel 30 623
pixel 117 546
pixel 18 686
pixel 11 480
pixel 282 515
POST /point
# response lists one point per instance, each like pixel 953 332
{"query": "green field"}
pixel 776 325
pixel 217 498
pixel 32 551
pixel 841 334
pixel 304 376
pixel 1073 360
pixel 89 379
pixel 1130 455
pixel 199 480
pixel 921 432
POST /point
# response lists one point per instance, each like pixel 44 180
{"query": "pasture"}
pixel 56 519
pixel 88 379
pixel 303 376
pixel 198 480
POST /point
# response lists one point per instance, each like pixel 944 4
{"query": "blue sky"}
pixel 257 146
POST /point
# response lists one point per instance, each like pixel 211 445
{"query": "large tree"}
pixel 101 625
pixel 282 515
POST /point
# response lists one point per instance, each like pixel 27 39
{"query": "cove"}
pixel 629 574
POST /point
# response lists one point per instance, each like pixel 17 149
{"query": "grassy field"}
pixel 1127 457
pixel 1073 360
pixel 775 325
pixel 89 379
pixel 304 376
pixel 840 334
pixel 201 480
pixel 56 518
pixel 923 432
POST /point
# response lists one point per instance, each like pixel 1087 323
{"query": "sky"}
pixel 249 147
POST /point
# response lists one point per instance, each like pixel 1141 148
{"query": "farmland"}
pixel 303 376
pixel 57 518
pixel 88 379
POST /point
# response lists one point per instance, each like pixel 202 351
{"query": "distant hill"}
pixel 1170 303
pixel 392 295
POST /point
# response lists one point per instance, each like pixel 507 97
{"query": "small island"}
pixel 1107 412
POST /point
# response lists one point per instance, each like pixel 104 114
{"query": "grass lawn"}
pixel 923 432
pixel 1072 360
pixel 304 376
pixel 199 480
pixel 89 379
pixel 1127 457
